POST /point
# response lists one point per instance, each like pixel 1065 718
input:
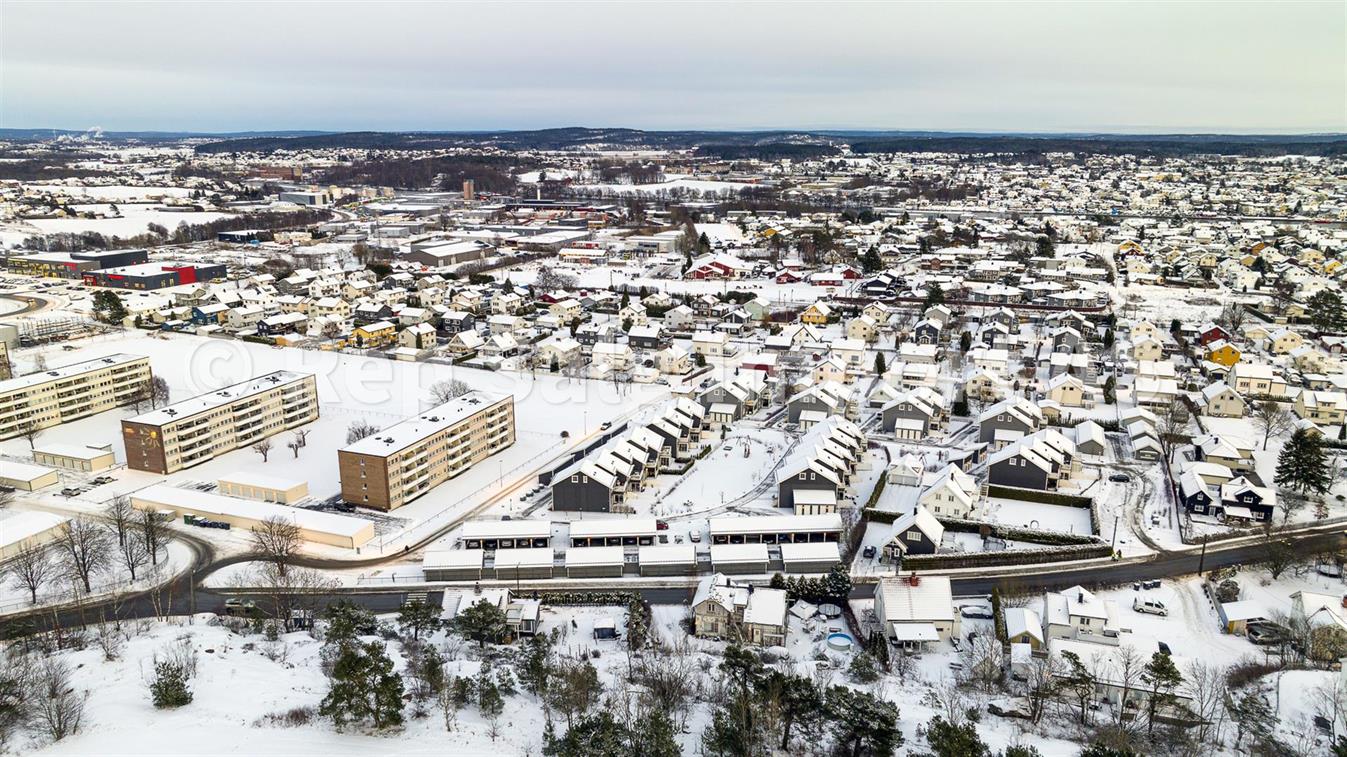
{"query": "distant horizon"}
pixel 822 131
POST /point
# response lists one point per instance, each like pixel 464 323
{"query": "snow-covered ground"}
pixel 1038 515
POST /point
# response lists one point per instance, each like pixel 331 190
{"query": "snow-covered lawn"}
pixel 1038 515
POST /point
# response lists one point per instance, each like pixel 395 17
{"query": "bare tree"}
pixel 296 591
pixel 331 330
pixel 29 430
pixel 141 396
pixel 277 539
pixel 301 436
pixel 360 429
pixel 31 569
pixel 154 532
pixel 120 516
pixel 56 707
pixel 294 445
pixel 1206 686
pixel 159 392
pixel 133 553
pixel 443 391
pixel 1272 419
pixel 84 550
pixel 263 448
pixel 1125 671
pixel 1173 425
pixel 39 362
pixel 1041 684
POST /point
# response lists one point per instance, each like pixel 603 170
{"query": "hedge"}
pixel 1007 557
pixel 878 490
pixel 1033 495
pixel 581 597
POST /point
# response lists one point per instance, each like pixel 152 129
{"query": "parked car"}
pixel 70 491
pixel 1120 477
pixel 661 525
pixel 870 552
pixel 236 606
pixel 1332 570
pixel 1151 606
pixel 1164 648
pixel 606 425
pixel 976 611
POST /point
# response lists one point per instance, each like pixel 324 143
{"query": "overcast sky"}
pixel 1088 66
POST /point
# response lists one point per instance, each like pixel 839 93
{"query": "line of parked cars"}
pixel 193 520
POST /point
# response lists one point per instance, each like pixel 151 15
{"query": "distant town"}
pixel 609 442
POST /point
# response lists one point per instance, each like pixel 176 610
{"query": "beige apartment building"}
pixel 193 431
pixel 52 397
pixel 400 463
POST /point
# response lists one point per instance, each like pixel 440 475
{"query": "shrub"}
pixel 169 687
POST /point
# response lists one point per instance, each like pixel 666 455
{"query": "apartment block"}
pixel 400 463
pixel 52 397
pixel 195 430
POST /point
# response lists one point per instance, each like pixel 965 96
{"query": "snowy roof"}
pixel 612 527
pixel 26 524
pixel 722 553
pixel 399 436
pixel 507 529
pixel 75 451
pixel 210 400
pixel 813 551
pixel 766 607
pixel 13 471
pixel 668 554
pixel 929 599
pixel 250 478
pixel 39 378
pixel 528 557
pixel 579 556
pixel 755 524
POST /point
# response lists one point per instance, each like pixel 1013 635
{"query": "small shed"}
pixel 594 562
pixel 739 558
pixel 1236 616
pixel 668 560
pixel 810 557
pixel 27 477
pixel 453 564
pixel 523 562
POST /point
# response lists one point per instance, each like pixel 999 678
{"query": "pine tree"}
pixel 482 622
pixel 949 740
pixel 1163 678
pixel 169 687
pixel 1302 465
pixel 364 688
pixel 837 584
pixel 879 364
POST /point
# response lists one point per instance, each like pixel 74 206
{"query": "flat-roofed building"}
pixel 609 532
pixel 49 398
pixel 668 560
pixel 776 529
pixel 195 430
pixel 29 529
pixel 595 562
pixel 506 534
pixel 26 476
pixel 453 564
pixel 388 469
pixel 810 557
pixel 249 485
pixel 739 558
pixel 315 526
pixel 529 562
pixel 77 457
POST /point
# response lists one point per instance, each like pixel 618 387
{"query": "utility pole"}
pixel 1117 515
pixel 1202 559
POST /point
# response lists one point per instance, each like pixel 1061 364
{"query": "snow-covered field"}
pixel 1037 515
pixel 134 220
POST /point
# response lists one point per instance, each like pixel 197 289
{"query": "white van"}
pixel 1152 606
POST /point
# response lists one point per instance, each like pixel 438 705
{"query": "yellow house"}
pixel 1130 246
pixel 1285 340
pixel 377 334
pixel 1223 352
pixel 816 314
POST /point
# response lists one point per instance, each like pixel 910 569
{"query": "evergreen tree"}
pixel 599 735
pixel 935 295
pixel 949 740
pixel 862 724
pixel 837 584
pixel 364 688
pixel 1163 678
pixel 169 687
pixel 536 667
pixel 879 364
pixel 1325 310
pixel 965 342
pixel 418 617
pixel 1302 465
pixel 482 622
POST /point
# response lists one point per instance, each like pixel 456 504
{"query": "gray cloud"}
pixel 984 66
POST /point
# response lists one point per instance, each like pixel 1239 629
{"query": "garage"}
pixel 668 560
pixel 453 564
pixel 733 559
pixel 594 562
